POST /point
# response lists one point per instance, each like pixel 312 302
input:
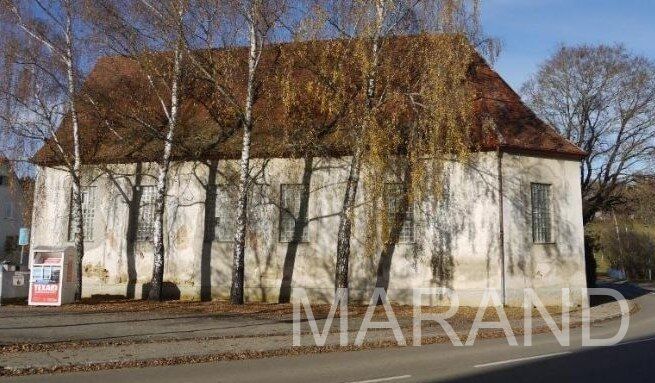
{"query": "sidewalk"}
pixel 56 340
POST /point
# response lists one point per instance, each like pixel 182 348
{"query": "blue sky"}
pixel 530 30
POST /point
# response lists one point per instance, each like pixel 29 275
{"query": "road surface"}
pixel 633 360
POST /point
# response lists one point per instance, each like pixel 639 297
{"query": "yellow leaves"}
pixel 438 94
pixel 419 118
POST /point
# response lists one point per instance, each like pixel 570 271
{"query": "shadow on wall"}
pixel 487 186
pixel 259 238
pixel 133 201
pixel 300 226
pixel 440 227
pixel 209 233
pixel 131 233
pixel 218 184
pixel 563 232
pixel 396 221
pixel 442 219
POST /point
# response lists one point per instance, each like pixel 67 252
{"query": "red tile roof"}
pixel 110 132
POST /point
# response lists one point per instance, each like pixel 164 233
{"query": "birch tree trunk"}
pixel 350 197
pixel 345 222
pixel 238 261
pixel 36 30
pixel 156 283
pixel 78 222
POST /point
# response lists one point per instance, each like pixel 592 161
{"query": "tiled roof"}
pixel 110 133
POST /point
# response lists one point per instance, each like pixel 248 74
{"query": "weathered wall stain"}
pixel 457 236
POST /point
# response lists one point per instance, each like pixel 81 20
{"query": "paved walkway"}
pixel 111 338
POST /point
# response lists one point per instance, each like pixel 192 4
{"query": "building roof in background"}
pixel 113 132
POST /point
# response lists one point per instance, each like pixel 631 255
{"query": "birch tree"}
pixel 46 91
pixel 172 111
pixel 258 25
pixel 151 35
pixel 376 134
pixel 362 26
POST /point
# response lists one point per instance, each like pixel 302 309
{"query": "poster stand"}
pixel 52 276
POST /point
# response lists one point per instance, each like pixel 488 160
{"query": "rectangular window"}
pixel 9 211
pixel 88 213
pixel 293 215
pixel 3 181
pixel 394 198
pixel 225 217
pixel 146 224
pixel 541 221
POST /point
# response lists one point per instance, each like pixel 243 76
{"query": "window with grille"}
pixel 394 198
pixel 541 214
pixel 88 213
pixel 225 217
pixel 293 221
pixel 146 224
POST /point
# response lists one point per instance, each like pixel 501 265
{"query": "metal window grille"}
pixel 394 196
pixel 146 224
pixel 88 214
pixel 541 216
pixel 225 215
pixel 293 226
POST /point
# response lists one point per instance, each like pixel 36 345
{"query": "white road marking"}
pixel 636 341
pixel 388 379
pixel 520 359
pixel 554 354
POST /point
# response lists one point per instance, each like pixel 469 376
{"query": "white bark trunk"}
pixel 78 222
pixel 238 261
pixel 156 283
pixel 347 211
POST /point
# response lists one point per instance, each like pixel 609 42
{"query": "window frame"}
pixel 150 204
pixel 284 212
pixel 91 222
pixel 224 205
pixel 409 215
pixel 549 235
pixel 8 210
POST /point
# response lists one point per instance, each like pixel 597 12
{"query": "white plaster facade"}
pixel 457 240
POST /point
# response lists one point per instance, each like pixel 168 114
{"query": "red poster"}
pixel 45 293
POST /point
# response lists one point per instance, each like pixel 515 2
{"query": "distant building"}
pixel 11 213
pixel 509 220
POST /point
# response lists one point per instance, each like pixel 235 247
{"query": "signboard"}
pixel 45 293
pixel 18 280
pixel 52 275
pixel 45 284
pixel 23 236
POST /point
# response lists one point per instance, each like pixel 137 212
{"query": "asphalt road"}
pixel 633 360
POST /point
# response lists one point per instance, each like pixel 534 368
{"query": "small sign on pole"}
pixel 23 240
pixel 23 236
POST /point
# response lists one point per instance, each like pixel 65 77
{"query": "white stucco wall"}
pixel 457 239
pixel 547 268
